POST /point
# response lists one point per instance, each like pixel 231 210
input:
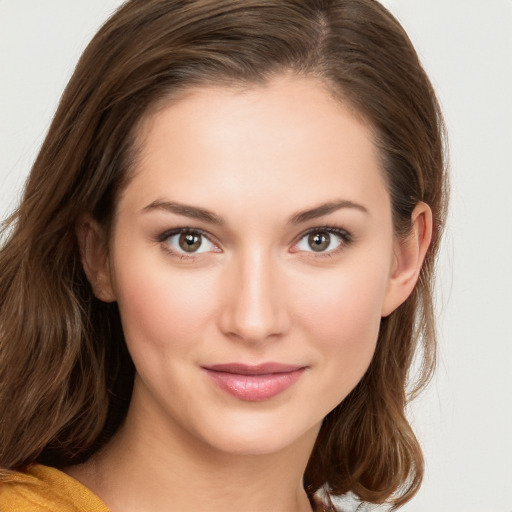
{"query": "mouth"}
pixel 254 383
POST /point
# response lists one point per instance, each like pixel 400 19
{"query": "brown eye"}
pixel 319 241
pixel 323 240
pixel 184 241
pixel 190 242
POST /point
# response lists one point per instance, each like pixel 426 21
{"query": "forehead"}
pixel 282 141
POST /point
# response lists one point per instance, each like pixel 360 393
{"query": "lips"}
pixel 254 382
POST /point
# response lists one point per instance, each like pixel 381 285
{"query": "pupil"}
pixel 190 242
pixel 319 241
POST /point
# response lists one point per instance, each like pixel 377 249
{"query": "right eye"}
pixel 188 241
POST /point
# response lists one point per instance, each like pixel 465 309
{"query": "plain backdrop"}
pixel 464 419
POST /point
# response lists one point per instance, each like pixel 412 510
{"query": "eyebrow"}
pixel 192 212
pixel 325 209
pixel 204 215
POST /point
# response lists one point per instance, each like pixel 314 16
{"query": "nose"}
pixel 254 309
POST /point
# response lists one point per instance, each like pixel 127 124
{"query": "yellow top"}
pixel 44 489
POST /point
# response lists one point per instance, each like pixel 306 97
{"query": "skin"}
pixel 255 292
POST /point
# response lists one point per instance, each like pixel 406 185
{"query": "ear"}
pixel 95 259
pixel 409 256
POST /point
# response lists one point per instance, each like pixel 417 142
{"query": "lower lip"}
pixel 254 388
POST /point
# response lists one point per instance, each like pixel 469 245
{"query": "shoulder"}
pixel 44 489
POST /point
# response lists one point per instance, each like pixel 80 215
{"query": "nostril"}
pixel 253 320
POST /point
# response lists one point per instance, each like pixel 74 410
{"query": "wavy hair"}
pixel 65 374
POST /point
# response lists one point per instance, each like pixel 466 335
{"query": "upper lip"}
pixel 254 369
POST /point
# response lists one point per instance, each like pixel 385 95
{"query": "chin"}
pixel 253 437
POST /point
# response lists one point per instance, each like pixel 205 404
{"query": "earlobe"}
pixel 409 256
pixel 94 255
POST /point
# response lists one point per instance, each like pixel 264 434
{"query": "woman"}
pixel 221 268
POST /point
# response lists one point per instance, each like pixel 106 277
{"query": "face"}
pixel 252 259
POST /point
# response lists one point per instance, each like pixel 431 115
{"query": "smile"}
pixel 254 383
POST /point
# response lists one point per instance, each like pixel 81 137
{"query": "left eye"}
pixel 320 241
pixel 190 242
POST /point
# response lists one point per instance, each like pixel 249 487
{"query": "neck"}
pixel 145 470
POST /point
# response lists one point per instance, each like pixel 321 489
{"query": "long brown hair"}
pixel 65 374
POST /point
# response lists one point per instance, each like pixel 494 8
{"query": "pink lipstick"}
pixel 254 382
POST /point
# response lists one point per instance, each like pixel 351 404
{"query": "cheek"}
pixel 349 325
pixel 342 302
pixel 159 308
pixel 341 315
pixel 344 325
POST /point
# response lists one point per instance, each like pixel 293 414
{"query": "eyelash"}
pixel 164 237
pixel 345 237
